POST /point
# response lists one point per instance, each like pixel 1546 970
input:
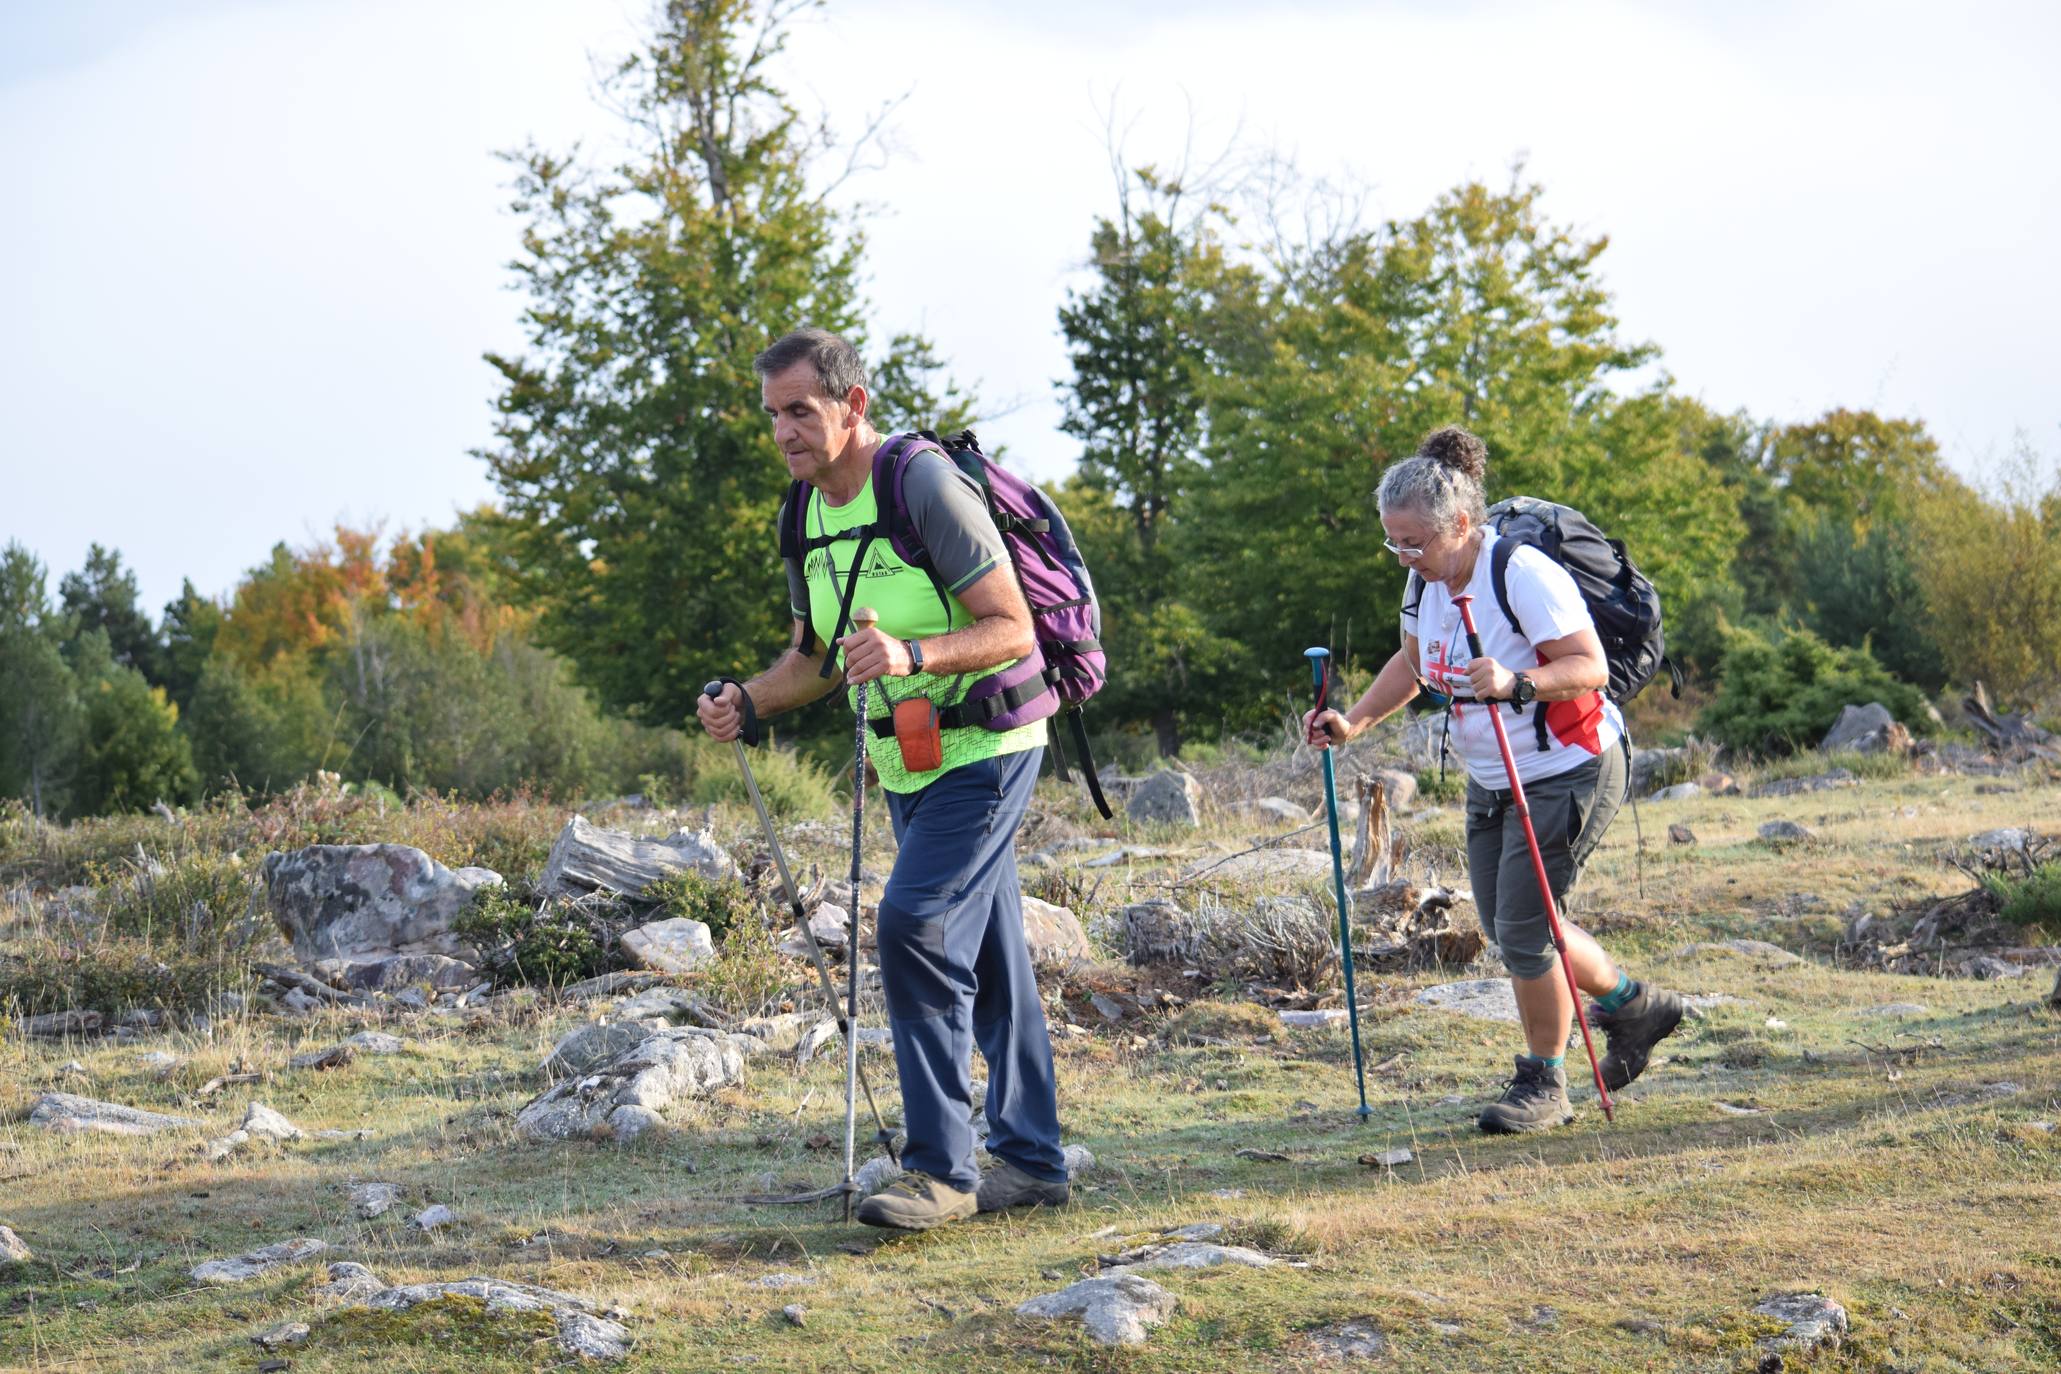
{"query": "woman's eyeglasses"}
pixel 1401 550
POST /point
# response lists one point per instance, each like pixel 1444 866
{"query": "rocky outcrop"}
pixel 585 858
pixel 358 903
pixel 1169 797
pixel 628 1096
pixel 66 1112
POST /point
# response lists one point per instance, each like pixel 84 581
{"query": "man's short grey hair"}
pixel 1442 479
pixel 837 364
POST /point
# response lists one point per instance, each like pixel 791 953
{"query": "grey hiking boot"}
pixel 915 1202
pixel 1006 1186
pixel 1536 1100
pixel 1633 1030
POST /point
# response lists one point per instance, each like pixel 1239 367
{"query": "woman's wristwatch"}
pixel 1524 692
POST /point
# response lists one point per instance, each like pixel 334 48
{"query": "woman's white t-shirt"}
pixel 1544 597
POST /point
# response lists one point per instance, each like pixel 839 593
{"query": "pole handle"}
pixel 865 618
pixel 1465 603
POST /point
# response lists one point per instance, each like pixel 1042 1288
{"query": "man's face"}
pixel 813 430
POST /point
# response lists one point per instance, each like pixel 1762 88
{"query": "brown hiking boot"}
pixel 1633 1030
pixel 1006 1186
pixel 916 1202
pixel 1536 1100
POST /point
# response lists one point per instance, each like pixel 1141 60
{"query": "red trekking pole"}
pixel 1538 861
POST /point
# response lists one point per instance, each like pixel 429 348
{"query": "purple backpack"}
pixel 1068 664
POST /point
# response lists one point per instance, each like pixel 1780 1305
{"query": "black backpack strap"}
pixel 794 514
pixel 866 535
pixel 1413 596
pixel 1080 740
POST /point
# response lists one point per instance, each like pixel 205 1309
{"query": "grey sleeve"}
pixel 951 518
pixel 797 589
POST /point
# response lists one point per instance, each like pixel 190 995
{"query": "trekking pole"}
pixel 864 618
pixel 1538 860
pixel 882 1135
pixel 1320 664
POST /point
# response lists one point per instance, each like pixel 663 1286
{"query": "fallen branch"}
pixel 314 987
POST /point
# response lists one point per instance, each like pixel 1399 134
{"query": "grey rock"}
pixel 581 1331
pixel 875 1174
pixel 610 985
pixel 1894 1009
pixel 586 1048
pixel 1857 723
pixel 1307 1020
pixel 1168 797
pixel 815 1040
pixel 1485 999
pixel 1681 791
pixel 61 1025
pixel 376 1042
pixel 585 858
pixel 434 1216
pixel 629 1095
pixel 391 974
pixel 1189 1254
pixel 332 1057
pixel 157 1059
pixel 221 1147
pixel 1054 934
pixel 795 1314
pixel 1813 1319
pixel 1201 1230
pixel 1680 834
pixel 349 1283
pixel 670 946
pixel 66 1112
pixel 375 1199
pixel 13 1249
pixel 666 1004
pixel 262 1123
pixel 1358 1339
pixel 1784 832
pixel 255 1263
pixel 1398 788
pixel 1275 811
pixel 1283 866
pixel 1076 1160
pixel 1391 1159
pixel 359 902
pixel 1118 1310
pixel 1990 968
pixel 1649 766
pixel 776 1282
pixel 280 1336
pixel 2010 838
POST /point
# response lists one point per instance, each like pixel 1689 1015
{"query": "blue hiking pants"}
pixel 957 974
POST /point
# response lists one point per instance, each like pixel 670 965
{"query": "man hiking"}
pixel 953 963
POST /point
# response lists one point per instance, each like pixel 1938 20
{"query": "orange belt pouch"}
pixel 917 732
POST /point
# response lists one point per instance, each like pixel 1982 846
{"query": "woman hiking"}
pixel 1433 512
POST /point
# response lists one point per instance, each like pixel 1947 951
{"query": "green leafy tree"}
pixel 1167 312
pixel 1857 466
pixel 638 474
pixel 1862 589
pixel 189 628
pixel 134 753
pixel 102 596
pixel 39 709
pixel 260 730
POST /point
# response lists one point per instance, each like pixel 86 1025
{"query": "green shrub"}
pixel 2033 901
pixel 550 945
pixel 112 977
pixel 201 902
pixel 1781 696
pixel 1433 790
pixel 792 784
pixel 746 978
pixel 723 905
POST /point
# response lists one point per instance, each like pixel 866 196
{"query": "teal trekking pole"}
pixel 1320 676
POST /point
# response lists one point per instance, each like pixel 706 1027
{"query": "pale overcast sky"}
pixel 254 248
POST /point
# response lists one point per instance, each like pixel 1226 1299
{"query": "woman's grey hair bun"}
pixel 1443 478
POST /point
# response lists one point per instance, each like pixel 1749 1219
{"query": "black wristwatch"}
pixel 1525 692
pixel 915 655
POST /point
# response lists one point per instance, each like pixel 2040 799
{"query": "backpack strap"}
pixel 1413 594
pixel 1499 579
pixel 794 515
pixel 890 467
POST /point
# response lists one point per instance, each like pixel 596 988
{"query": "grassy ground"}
pixel 1788 1140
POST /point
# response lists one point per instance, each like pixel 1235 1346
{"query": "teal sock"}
pixel 1555 1062
pixel 1615 999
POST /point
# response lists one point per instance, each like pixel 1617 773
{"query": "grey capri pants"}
pixel 1569 813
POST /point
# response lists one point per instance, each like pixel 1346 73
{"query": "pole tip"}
pixel 1318 652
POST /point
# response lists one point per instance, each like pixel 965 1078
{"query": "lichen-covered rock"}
pixel 358 902
pixel 1867 728
pixel 586 1048
pixel 1189 1254
pixel 254 1263
pixel 1784 832
pixel 1813 1320
pixel 585 858
pixel 375 1199
pixel 1115 1311
pixel 349 1283
pixel 1168 797
pixel 261 1122
pixel 628 1096
pixel 581 1330
pixel 67 1112
pixel 13 1249
pixel 376 1042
